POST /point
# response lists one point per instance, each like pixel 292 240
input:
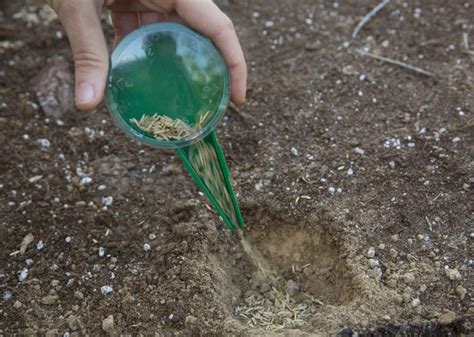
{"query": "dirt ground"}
pixel 354 176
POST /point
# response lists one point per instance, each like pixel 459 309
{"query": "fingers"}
pixel 208 19
pixel 205 17
pixel 124 23
pixel 81 21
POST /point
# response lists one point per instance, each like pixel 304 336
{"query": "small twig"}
pixel 369 15
pixel 465 40
pixel 429 223
pixel 398 63
pixel 465 37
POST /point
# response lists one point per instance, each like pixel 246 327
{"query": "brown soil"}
pixel 333 153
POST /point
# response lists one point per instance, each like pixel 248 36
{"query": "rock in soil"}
pixel 447 317
pixel 53 87
pixel 461 292
pixel 108 324
pixel 49 299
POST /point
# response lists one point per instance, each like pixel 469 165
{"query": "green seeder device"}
pixel 170 70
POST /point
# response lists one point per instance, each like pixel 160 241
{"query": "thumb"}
pixel 81 20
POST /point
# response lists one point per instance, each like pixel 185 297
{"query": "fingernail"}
pixel 84 94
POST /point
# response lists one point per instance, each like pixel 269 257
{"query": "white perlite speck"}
pixel 453 274
pixel 68 239
pixel 416 302
pixel 39 245
pixel 86 181
pixel 294 151
pixel 350 171
pixel 331 190
pixel 371 252
pixel 101 251
pixel 374 263
pixel 269 24
pixel 105 290
pixel 360 151
pixel 107 201
pixel 35 179
pixel 6 295
pixel 23 274
pixel 146 247
pixel 44 143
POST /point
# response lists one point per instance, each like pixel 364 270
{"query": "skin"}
pixel 81 20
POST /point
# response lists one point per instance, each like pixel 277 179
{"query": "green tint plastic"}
pixel 171 70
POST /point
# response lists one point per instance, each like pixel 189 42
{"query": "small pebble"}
pixel 25 242
pixel 107 201
pixel 6 295
pixel 17 305
pixel 447 317
pixel 453 274
pixel 408 278
pixel 416 302
pixel 44 143
pixel 269 24
pixel 461 292
pixel 108 324
pixel 394 238
pixel 190 320
pixel 35 179
pixel 371 252
pixel 105 290
pixel 86 181
pixel 23 274
pixel 423 288
pixel 79 295
pixel 393 253
pixel 374 263
pixel 360 151
pixel 50 299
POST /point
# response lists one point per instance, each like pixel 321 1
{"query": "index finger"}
pixel 207 18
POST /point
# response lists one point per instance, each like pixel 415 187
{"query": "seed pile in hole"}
pixel 275 309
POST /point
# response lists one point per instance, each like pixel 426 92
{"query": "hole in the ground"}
pixel 307 251
pixel 306 255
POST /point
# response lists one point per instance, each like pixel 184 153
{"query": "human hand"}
pixel 81 20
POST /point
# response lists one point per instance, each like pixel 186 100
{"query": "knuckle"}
pixel 84 59
pixel 228 24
